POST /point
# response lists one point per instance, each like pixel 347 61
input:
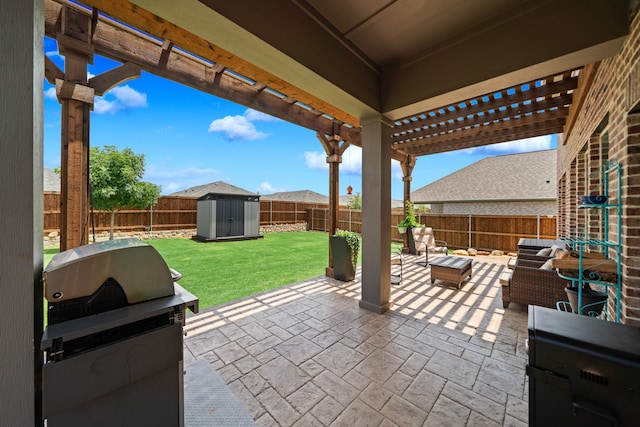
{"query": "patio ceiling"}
pixel 449 74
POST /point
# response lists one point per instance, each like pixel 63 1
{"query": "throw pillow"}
pixel 554 249
pixel 544 252
pixel 547 265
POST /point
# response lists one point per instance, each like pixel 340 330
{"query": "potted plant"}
pixel 344 250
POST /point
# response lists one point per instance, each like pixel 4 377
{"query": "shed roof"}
pixel 522 176
pixel 218 187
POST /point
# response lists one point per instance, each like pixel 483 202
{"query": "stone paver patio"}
pixel 307 355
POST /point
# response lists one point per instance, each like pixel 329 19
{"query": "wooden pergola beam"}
pixel 506 135
pixel 150 23
pixel 479 132
pixel 122 44
pixel 51 71
pixel 109 79
pixel 585 80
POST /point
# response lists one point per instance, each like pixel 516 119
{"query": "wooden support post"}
pixel 76 95
pixel 334 151
pixel 74 176
pixel 76 99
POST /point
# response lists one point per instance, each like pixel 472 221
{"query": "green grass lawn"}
pixel 224 271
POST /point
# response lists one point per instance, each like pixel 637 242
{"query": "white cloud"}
pixel 316 160
pixel 267 188
pixel 523 145
pixel 50 93
pixel 520 146
pixel 236 127
pixel 396 170
pixel 125 97
pixel 351 161
pixel 129 97
pixel 241 127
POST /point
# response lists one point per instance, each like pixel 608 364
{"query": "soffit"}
pixel 369 57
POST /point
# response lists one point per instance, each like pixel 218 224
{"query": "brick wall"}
pixel 610 109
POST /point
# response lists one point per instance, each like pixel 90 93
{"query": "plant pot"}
pixel 592 301
pixel 402 230
pixel 341 255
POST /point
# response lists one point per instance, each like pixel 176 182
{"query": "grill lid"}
pixel 136 266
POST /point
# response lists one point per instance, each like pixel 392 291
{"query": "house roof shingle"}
pixel 522 176
pixel 51 180
pixel 302 196
pixel 218 187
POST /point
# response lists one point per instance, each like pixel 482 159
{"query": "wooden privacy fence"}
pixel 484 232
pixel 171 213
pixel 459 231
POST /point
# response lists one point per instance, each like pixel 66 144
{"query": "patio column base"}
pixel 375 307
pixel 328 272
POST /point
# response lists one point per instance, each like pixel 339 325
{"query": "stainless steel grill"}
pixel 113 344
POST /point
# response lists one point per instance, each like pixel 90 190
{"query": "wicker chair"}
pixel 530 284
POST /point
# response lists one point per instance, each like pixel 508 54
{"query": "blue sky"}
pixel 191 138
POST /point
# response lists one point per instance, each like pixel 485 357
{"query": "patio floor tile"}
pixel 307 355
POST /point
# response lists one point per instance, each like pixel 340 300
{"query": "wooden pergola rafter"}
pixel 535 108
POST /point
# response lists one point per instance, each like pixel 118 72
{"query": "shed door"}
pixel 230 215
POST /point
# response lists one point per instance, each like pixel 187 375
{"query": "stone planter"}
pixel 341 254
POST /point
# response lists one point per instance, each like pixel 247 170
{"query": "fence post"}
pixel 350 225
pixel 470 239
pixel 295 212
pixel 270 212
pixel 325 220
pixel 538 227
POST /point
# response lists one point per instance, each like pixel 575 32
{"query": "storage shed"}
pixel 228 217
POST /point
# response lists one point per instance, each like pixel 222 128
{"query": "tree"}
pixel 115 177
pixel 355 202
